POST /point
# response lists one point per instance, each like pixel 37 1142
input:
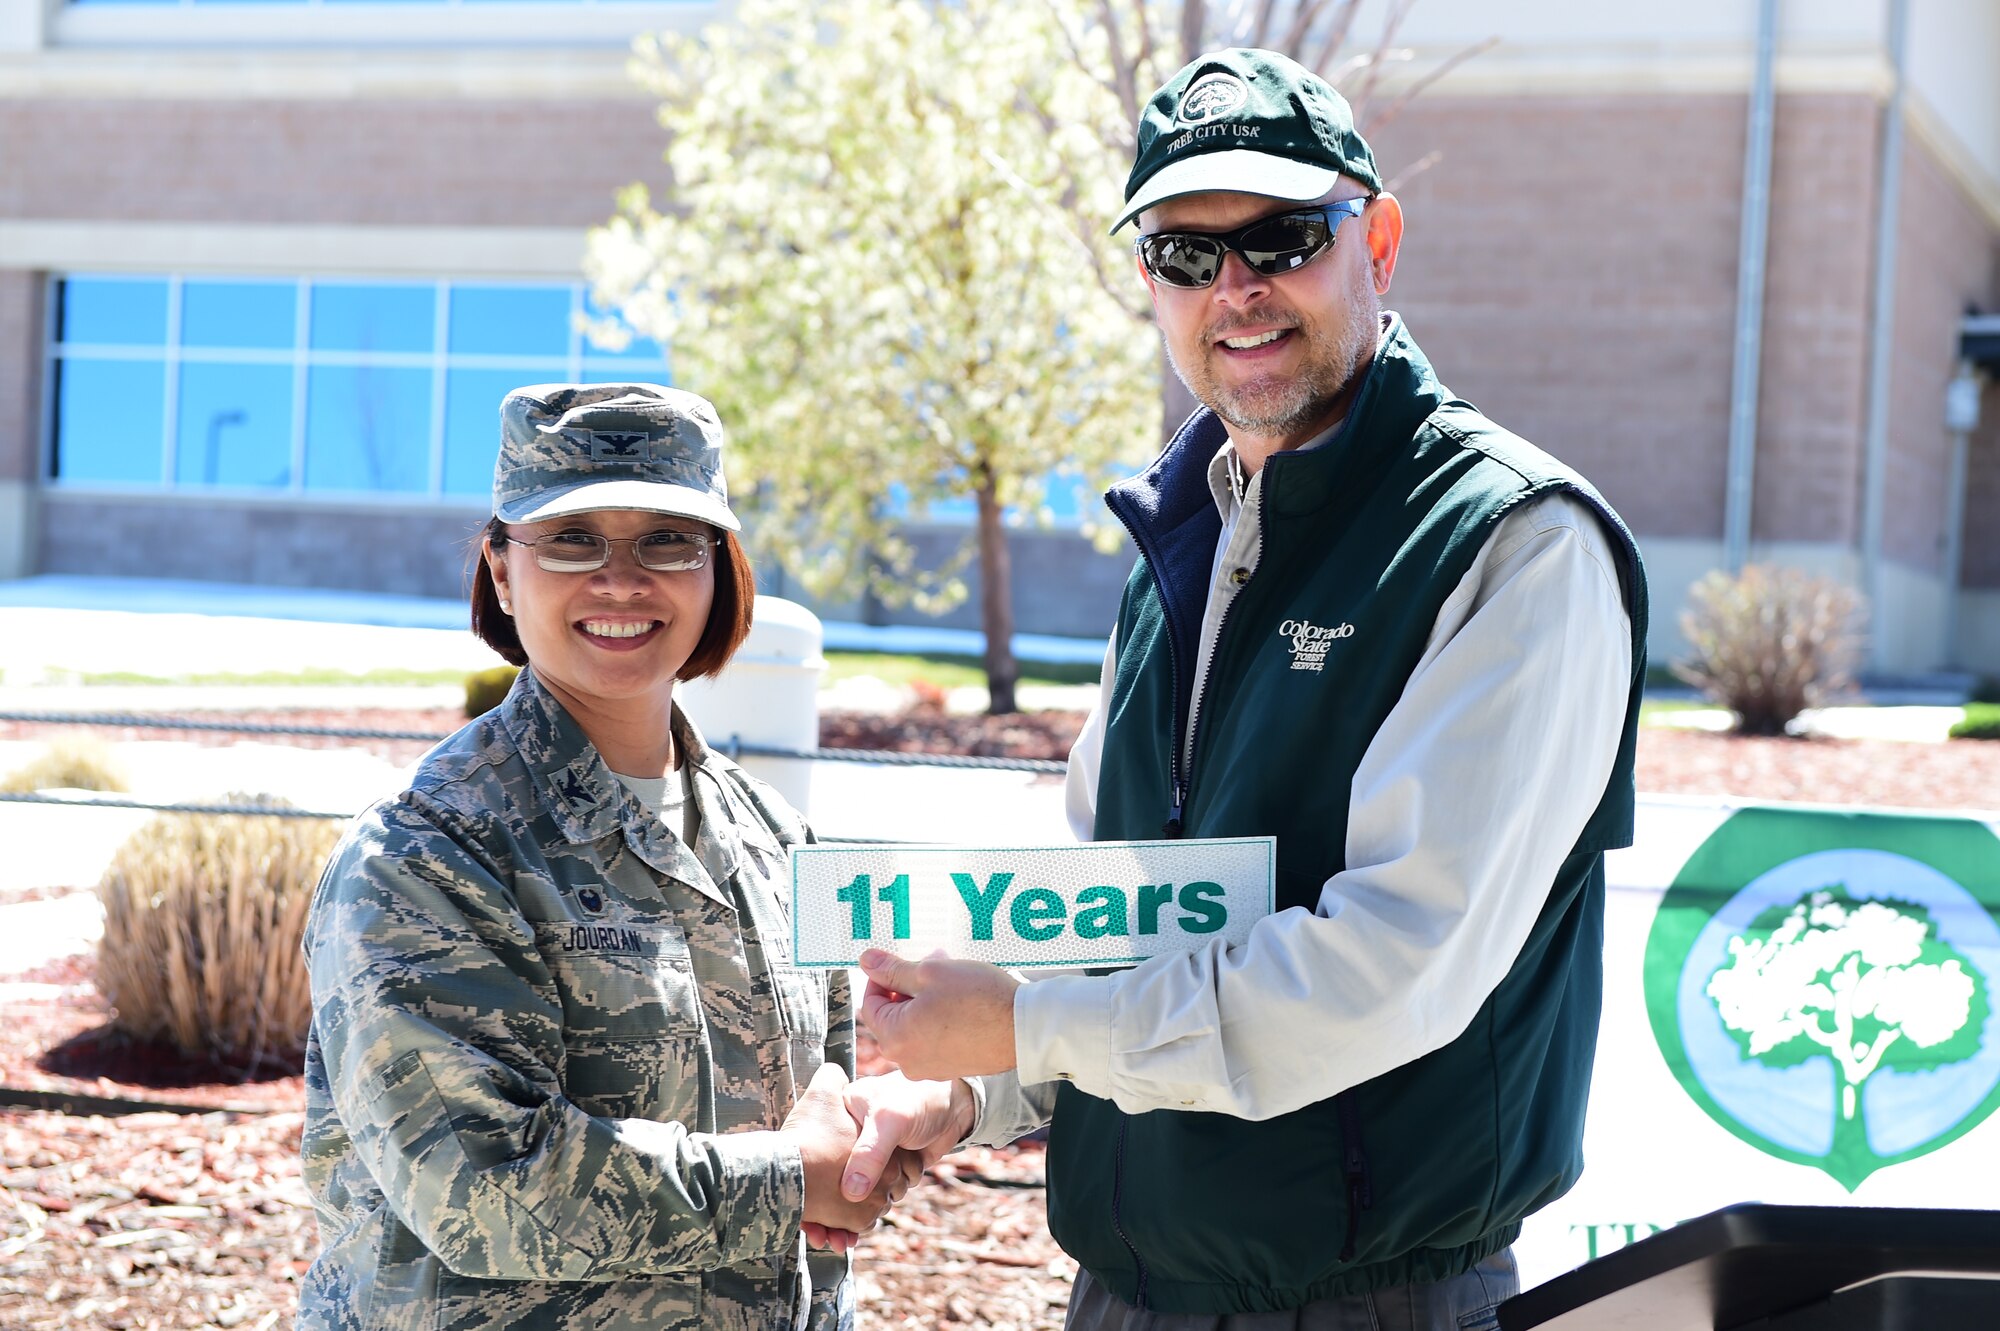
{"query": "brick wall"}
pixel 1813 380
pixel 411 552
pixel 1946 259
pixel 1570 267
pixel 422 552
pixel 467 163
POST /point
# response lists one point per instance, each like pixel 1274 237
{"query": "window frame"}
pixel 580 360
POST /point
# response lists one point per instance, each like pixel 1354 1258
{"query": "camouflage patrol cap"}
pixel 575 448
pixel 1246 122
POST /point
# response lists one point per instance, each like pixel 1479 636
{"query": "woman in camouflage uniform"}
pixel 562 1072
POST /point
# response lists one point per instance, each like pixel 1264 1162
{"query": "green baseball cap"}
pixel 1249 122
pixel 577 448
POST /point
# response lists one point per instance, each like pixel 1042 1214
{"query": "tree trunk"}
pixel 996 600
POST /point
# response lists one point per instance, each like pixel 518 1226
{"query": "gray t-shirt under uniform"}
pixel 667 798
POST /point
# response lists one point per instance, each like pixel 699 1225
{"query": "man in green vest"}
pixel 1409 645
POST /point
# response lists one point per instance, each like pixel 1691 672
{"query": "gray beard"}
pixel 1307 397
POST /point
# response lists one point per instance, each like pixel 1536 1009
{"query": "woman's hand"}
pixel 825 1132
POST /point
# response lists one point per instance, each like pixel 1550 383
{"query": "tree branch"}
pixel 1451 62
pixel 1304 15
pixel 1336 37
pixel 1194 22
pixel 1398 11
pixel 1059 16
pixel 1260 30
pixel 1125 74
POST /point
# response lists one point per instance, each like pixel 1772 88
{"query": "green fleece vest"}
pixel 1421 1172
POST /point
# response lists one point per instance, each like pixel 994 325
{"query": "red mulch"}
pixel 200 1220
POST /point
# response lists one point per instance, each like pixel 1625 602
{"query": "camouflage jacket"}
pixel 549 1048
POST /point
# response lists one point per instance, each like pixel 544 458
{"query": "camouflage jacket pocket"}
pixel 632 1020
pixel 802 1007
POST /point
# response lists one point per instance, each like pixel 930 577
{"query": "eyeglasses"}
pixel 586 552
pixel 1271 246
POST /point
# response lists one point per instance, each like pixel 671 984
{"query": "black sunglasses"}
pixel 1270 245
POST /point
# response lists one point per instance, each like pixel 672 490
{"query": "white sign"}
pixel 1801 1006
pixel 1103 903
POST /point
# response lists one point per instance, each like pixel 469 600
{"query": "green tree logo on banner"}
pixel 1818 983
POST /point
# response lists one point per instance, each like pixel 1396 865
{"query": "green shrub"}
pixel 485 688
pixel 203 916
pixel 71 762
pixel 1987 689
pixel 1982 721
pixel 1769 642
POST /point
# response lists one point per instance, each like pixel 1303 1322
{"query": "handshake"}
pixel 865 1143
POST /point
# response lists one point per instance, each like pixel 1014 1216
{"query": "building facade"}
pixel 265 269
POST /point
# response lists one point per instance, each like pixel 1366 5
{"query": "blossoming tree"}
pixel 866 262
pixel 883 256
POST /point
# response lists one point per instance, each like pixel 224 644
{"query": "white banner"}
pixel 1799 1007
pixel 1104 903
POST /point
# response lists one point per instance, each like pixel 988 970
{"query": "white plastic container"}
pixel 767 695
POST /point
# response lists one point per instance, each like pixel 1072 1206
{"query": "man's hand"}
pixel 825 1134
pixel 939 1018
pixel 898 1115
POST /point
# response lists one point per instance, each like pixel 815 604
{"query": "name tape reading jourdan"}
pixel 1104 903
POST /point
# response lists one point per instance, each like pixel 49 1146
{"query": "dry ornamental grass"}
pixel 203 917
pixel 71 762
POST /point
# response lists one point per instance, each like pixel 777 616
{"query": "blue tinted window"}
pixel 1071 498
pixel 235 425
pixel 238 314
pixel 109 419
pixel 472 427
pixel 510 321
pixel 113 310
pixel 638 348
pixel 373 318
pixel 954 511
pixel 368 428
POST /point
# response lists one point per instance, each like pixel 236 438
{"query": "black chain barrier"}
pixel 734 748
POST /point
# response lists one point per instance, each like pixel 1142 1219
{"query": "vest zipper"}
pixel 1183 780
pixel 1172 829
pixel 1360 1192
pixel 1117 1212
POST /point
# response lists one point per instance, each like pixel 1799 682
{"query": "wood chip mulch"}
pixel 151 1220
pixel 199 1220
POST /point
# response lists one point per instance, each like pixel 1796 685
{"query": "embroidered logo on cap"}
pixel 617 445
pixel 1211 97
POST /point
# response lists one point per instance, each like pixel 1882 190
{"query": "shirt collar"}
pixel 1222 486
pixel 589 803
